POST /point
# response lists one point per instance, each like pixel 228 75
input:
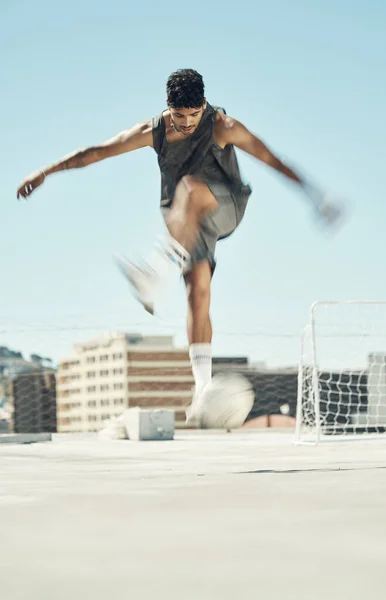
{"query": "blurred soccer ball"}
pixel 225 402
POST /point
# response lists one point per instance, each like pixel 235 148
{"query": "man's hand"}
pixel 330 213
pixel 30 183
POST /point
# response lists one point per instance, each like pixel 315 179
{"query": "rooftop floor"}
pixel 206 516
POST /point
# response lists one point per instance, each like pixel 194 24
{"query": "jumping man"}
pixel 203 199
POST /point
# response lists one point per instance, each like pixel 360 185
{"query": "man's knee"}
pixel 200 198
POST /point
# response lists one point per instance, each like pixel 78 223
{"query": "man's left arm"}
pixel 242 138
pixel 234 132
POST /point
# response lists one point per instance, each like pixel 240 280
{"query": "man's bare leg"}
pixel 198 282
pixel 192 201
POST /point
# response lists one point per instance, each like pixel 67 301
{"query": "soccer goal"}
pixel 342 373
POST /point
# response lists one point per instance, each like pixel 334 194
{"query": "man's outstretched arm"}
pixel 242 138
pixel 234 132
pixel 137 137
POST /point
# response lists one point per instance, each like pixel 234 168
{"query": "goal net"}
pixel 342 372
pixel 28 401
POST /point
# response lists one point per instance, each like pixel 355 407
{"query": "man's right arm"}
pixel 137 137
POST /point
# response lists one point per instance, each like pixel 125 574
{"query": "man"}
pixel 203 198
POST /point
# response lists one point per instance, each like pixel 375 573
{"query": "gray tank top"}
pixel 197 155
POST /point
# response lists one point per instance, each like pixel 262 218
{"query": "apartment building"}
pixel 119 370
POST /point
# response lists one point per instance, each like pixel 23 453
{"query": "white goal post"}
pixel 342 373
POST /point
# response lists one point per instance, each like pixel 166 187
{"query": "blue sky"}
pixel 306 76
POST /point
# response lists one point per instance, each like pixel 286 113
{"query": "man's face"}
pixel 186 120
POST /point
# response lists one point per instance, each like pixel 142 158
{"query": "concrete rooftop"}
pixel 207 516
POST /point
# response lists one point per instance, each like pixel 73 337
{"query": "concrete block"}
pixel 147 424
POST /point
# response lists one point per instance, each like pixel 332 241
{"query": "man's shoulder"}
pixel 226 129
pixel 145 126
pixel 224 121
pixel 145 130
pixel 163 114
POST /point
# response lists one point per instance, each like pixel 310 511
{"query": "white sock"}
pixel 167 255
pixel 201 361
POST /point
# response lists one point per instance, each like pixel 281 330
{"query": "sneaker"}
pixel 142 280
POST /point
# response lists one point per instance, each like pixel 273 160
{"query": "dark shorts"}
pixel 219 224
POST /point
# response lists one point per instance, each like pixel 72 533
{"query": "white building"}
pixel 120 370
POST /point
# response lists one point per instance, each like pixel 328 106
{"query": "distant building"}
pixel 223 363
pixel 104 376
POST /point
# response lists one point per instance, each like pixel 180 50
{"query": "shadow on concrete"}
pixel 314 470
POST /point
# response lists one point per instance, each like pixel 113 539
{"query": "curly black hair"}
pixel 185 89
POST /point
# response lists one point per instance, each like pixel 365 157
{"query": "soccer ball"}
pixel 225 402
